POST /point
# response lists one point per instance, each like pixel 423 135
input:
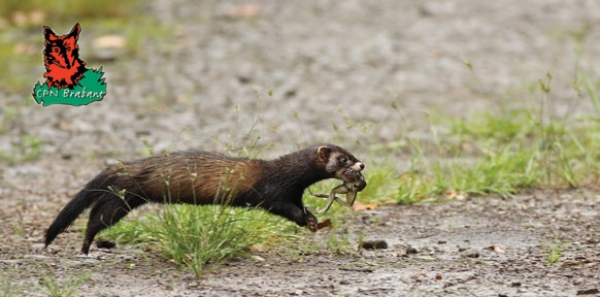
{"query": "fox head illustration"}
pixel 64 68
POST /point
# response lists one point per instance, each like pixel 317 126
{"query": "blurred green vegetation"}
pixel 34 12
pixel 21 39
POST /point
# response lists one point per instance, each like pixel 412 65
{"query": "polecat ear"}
pixel 323 152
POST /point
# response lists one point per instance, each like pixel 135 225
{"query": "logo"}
pixel 68 81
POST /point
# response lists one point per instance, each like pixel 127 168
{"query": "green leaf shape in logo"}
pixel 92 87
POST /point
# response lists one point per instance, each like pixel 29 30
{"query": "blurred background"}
pixel 263 78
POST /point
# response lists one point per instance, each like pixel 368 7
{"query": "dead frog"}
pixel 349 188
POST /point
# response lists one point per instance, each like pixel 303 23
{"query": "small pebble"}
pixel 411 250
pixel 374 244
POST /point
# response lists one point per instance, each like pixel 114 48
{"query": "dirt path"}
pixel 480 247
pixel 350 71
pixel 449 253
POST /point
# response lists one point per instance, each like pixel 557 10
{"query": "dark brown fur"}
pixel 206 178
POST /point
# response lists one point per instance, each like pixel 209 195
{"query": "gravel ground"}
pixel 358 73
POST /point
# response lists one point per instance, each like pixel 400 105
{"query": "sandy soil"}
pixel 356 73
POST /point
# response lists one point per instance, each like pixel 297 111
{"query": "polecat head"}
pixel 339 163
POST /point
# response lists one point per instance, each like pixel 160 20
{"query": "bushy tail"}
pixel 84 199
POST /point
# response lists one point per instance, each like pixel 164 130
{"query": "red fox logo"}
pixel 64 69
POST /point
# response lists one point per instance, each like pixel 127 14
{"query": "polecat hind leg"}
pixel 106 212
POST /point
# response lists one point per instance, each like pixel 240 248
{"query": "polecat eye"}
pixel 343 160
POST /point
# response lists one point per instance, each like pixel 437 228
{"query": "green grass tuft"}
pixel 554 251
pixel 60 286
pixel 201 236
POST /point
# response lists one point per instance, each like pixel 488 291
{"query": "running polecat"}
pixel 198 177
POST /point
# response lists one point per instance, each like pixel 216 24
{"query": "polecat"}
pixel 198 177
